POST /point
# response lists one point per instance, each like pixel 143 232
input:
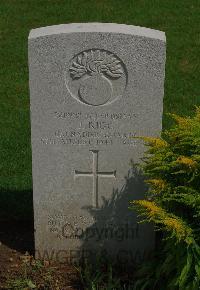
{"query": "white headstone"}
pixel 93 87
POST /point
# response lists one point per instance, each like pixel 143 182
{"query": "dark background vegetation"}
pixel 179 19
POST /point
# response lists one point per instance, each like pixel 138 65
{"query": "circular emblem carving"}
pixel 96 77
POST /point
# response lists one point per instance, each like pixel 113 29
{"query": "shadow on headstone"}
pixel 16 220
pixel 116 236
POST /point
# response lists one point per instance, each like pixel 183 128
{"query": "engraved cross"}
pixel 95 174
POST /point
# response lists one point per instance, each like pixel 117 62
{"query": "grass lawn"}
pixel 179 19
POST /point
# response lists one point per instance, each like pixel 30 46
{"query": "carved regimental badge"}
pixel 96 77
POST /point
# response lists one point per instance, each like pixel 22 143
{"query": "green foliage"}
pixel 172 166
pixel 98 279
pixel 103 276
pixel 20 284
pixel 34 274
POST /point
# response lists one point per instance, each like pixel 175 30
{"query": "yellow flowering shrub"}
pixel 165 220
pixel 183 122
pixel 152 210
pixel 172 167
pixel 187 161
pixel 159 184
pixel 153 141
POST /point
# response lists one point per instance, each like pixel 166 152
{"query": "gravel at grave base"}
pixel 15 240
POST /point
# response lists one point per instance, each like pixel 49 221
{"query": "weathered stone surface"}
pixel 93 87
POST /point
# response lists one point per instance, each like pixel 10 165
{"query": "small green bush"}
pixel 172 166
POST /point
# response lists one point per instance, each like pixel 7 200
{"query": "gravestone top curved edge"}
pixel 97 27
